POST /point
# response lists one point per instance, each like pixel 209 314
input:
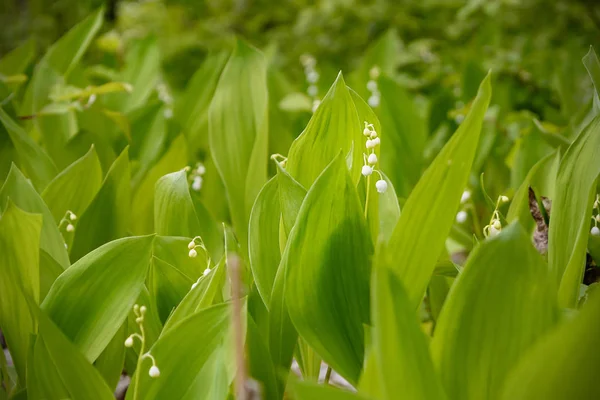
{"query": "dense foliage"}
pixel 341 200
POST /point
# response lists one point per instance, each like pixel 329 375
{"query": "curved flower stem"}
pixel 139 363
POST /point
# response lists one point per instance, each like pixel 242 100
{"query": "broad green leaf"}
pixel 291 195
pixel 334 126
pixel 541 177
pixel 400 348
pixel 19 267
pixel 404 137
pixel 16 61
pixel 168 285
pixel 107 216
pixel 564 363
pixel 429 212
pixel 261 366
pixel 592 64
pixel 110 362
pixel 181 353
pixel 501 304
pixel 238 132
pixel 54 68
pixel 91 299
pixel 309 391
pixel 174 251
pixel 572 210
pixel 58 364
pixel 75 187
pixel 192 109
pixel 328 267
pixel 32 158
pixel 19 190
pixel 530 147
pixel 263 238
pixel 142 210
pixel 205 293
pixel 175 213
pixel 212 382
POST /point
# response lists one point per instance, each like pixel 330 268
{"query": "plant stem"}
pixel 367 198
pixel 138 366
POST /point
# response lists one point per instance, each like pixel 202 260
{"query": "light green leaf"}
pixel 60 370
pixel 263 238
pixel 142 214
pixel 572 211
pixel 261 366
pixel 404 137
pixel 592 64
pixel 238 131
pixel 334 126
pixel 429 212
pixel 75 187
pixel 110 362
pixel 168 286
pixel 205 293
pixel 291 196
pixel 107 216
pixel 91 299
pixel 194 339
pixel 310 391
pixel 328 267
pixel 192 109
pixel 175 213
pixel 16 61
pixel 32 158
pixel 501 304
pixel 564 363
pixel 19 190
pixel 19 267
pixel 400 348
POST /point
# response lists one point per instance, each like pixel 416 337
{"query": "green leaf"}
pixel 541 177
pixel 17 60
pixel 32 158
pixel 572 211
pixel 142 214
pixel 91 299
pixel 194 339
pixel 60 370
pixel 192 108
pixel 107 216
pixel 168 286
pixel 592 64
pixel 291 196
pixel 328 268
pixel 308 391
pixel 75 187
pixel 261 366
pixel 500 305
pixel 400 348
pixel 563 364
pixel 110 362
pixel 19 267
pixel 175 213
pixel 238 132
pixel 204 294
pixel 404 137
pixel 19 190
pixel 333 126
pixel 263 237
pixel 429 212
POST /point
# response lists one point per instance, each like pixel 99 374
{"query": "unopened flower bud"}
pixel 372 158
pixel 504 199
pixel 193 253
pixel 70 228
pixel 191 245
pixel 595 231
pixel 461 217
pixel 496 224
pixel 154 372
pixel 366 170
pixel 465 196
pixel 206 272
pixel 129 342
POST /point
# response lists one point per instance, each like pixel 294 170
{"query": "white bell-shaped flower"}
pixel 381 186
pixel 154 372
pixel 595 231
pixel 129 342
pixel 366 170
pixel 372 158
pixel 70 228
pixel 461 217
pixel 193 253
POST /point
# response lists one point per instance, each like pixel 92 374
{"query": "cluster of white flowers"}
pixel 375 96
pixel 195 243
pixel 461 216
pixel 166 98
pixel 312 78
pixel 140 312
pixel 196 176
pixel 370 160
pixel 68 221
pixel 495 226
pixel 595 231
